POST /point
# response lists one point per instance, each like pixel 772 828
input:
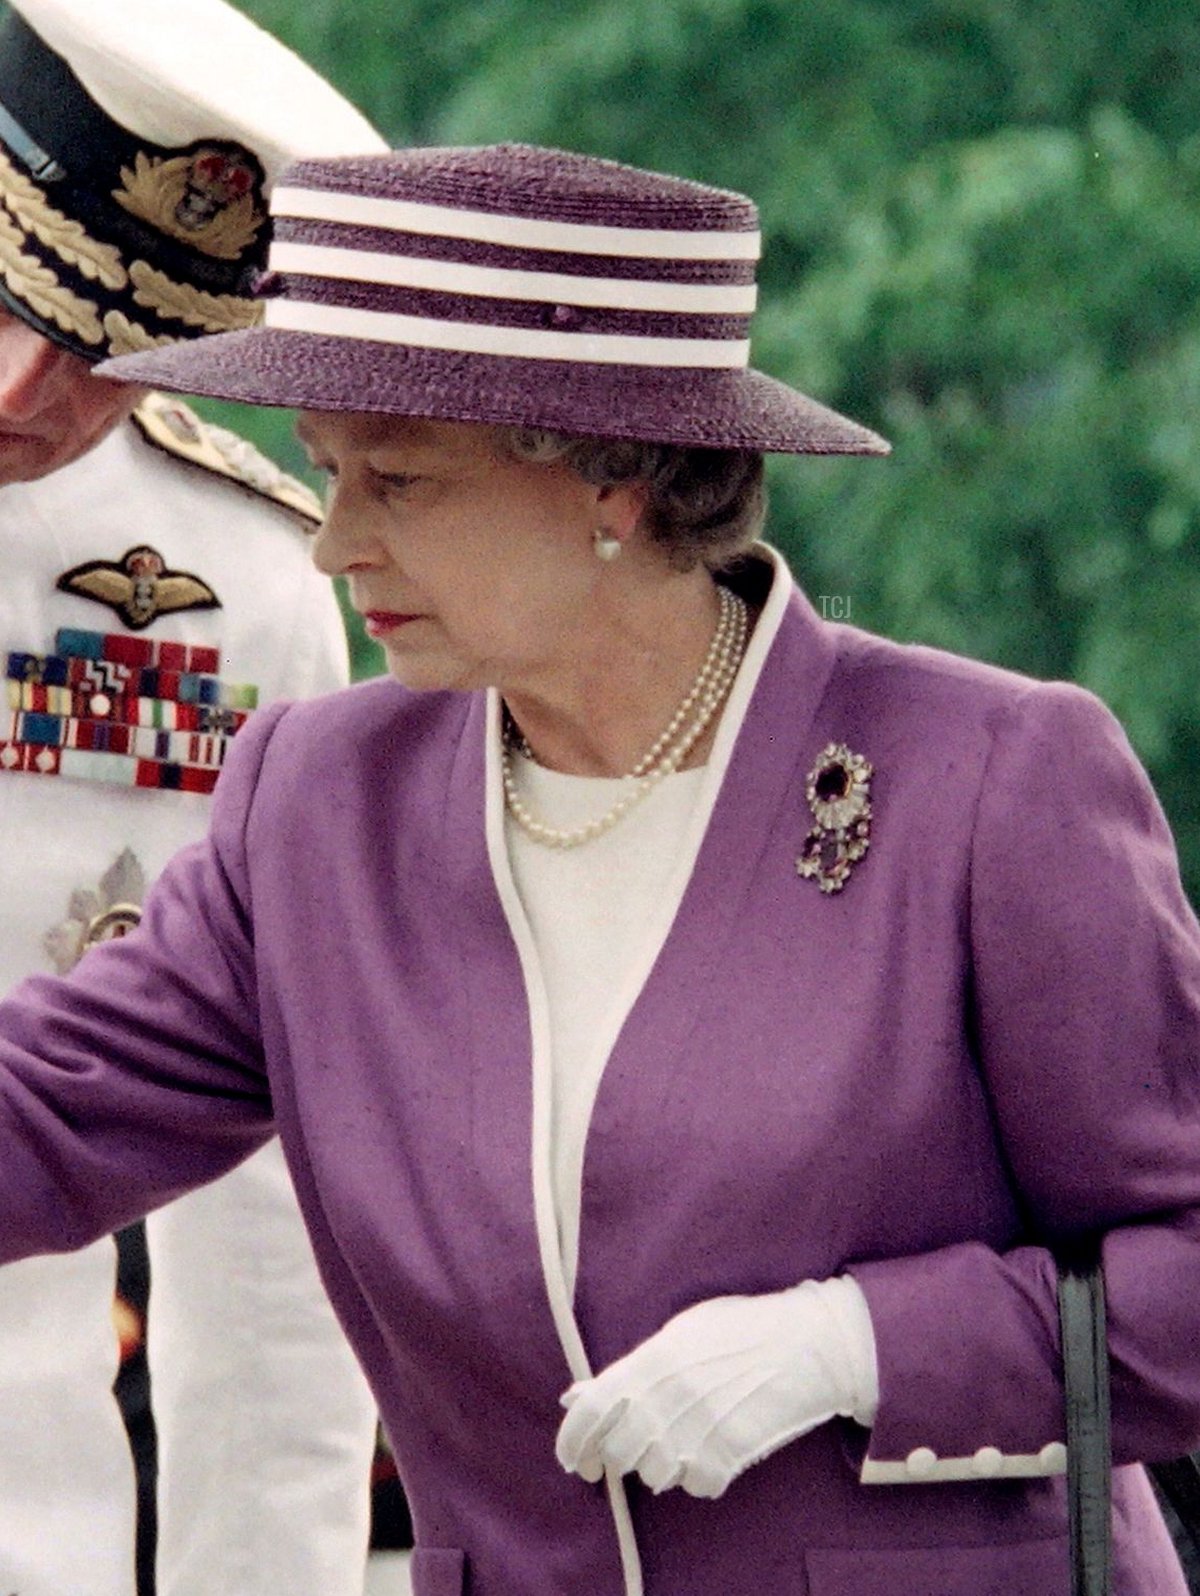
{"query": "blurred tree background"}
pixel 982 226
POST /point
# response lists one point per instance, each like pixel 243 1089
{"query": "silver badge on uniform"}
pixel 100 914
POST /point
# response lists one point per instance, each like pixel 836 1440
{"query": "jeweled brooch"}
pixel 838 790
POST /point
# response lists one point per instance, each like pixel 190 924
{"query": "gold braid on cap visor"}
pixel 27 212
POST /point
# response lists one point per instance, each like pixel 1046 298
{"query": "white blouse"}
pixel 598 914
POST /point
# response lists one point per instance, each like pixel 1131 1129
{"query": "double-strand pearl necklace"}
pixel 670 748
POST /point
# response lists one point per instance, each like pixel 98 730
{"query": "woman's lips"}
pixel 378 623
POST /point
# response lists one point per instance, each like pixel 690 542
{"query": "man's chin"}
pixel 25 458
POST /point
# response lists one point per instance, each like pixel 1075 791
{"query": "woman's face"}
pixel 470 568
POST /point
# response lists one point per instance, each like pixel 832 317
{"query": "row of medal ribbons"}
pixel 120 709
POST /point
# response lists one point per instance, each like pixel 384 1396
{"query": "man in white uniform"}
pixel 154 585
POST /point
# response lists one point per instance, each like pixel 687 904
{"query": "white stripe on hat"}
pixel 475 338
pixel 520 232
pixel 554 288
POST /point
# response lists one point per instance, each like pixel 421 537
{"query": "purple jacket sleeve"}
pixel 1086 964
pixel 140 1075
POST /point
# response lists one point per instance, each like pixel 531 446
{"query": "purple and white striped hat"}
pixel 510 285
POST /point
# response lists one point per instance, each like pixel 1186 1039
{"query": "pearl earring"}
pixel 607 548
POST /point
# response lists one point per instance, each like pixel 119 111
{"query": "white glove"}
pixel 724 1384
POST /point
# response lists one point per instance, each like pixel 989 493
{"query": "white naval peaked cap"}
pixel 174 71
pixel 138 142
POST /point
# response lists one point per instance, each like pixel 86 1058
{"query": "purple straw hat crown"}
pixel 511 285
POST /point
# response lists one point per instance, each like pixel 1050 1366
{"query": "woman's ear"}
pixel 620 508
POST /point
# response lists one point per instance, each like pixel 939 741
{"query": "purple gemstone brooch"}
pixel 838 790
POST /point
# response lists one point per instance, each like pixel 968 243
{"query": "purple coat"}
pixel 990 1036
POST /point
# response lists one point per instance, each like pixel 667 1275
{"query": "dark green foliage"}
pixel 983 237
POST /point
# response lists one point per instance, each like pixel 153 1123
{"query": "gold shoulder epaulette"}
pixel 170 425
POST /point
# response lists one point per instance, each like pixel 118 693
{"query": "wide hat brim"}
pixel 722 409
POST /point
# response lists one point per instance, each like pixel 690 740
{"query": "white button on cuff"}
pixel 1053 1458
pixel 921 1462
pixel 924 1466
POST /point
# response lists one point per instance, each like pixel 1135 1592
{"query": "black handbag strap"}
pixel 1089 1446
pixel 1084 1336
pixel 1179 1482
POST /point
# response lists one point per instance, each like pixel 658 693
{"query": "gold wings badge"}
pixel 139 587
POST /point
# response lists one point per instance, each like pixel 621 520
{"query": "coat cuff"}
pixel 923 1466
pixel 969 1371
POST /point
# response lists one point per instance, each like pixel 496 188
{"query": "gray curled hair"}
pixel 705 506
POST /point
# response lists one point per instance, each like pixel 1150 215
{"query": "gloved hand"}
pixel 724 1384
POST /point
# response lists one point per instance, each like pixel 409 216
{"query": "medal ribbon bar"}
pixel 36 759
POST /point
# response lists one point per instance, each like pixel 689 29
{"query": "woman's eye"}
pixel 395 484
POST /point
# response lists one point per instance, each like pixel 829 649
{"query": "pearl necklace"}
pixel 670 748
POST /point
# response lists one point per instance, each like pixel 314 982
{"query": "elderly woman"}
pixel 688 1022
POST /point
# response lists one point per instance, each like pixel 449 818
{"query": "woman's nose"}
pixel 34 373
pixel 343 543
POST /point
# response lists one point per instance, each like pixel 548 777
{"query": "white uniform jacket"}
pixel 252 1378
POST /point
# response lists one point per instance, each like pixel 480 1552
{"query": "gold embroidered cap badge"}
pixel 838 789
pixel 209 197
